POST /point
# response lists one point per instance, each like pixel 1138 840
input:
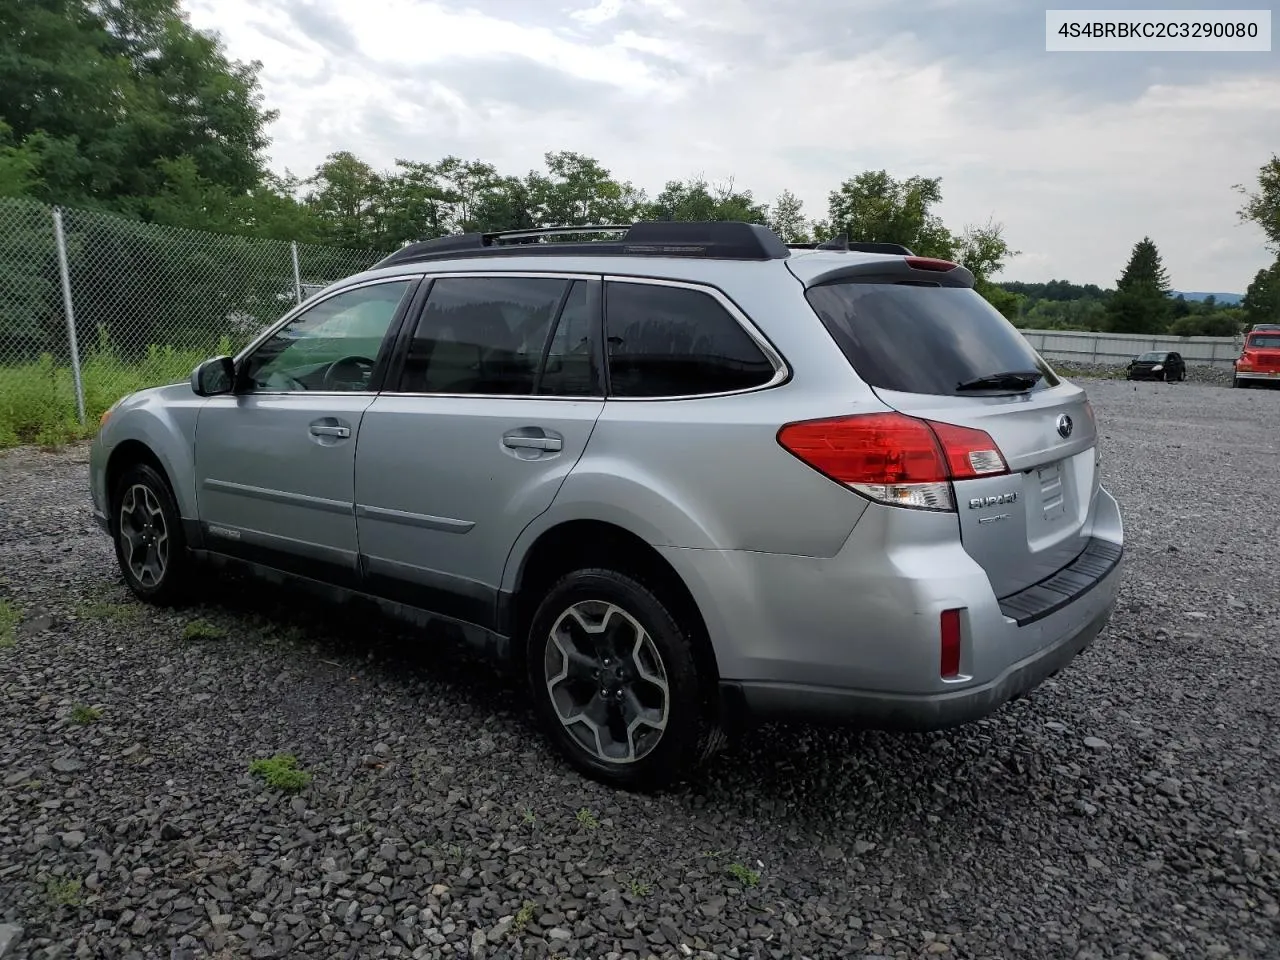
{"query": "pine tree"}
pixel 1141 302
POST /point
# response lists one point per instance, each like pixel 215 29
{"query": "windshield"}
pixel 1269 341
pixel 918 339
pixel 1153 357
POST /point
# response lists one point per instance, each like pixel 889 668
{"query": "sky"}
pixel 1077 155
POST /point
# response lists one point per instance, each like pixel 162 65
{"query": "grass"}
pixel 108 611
pixel 281 772
pixel 38 399
pixel 63 893
pixel 83 715
pixel 744 875
pixel 523 917
pixel 587 819
pixel 9 617
pixel 198 630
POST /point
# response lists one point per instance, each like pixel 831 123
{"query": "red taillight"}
pixel 950 644
pixel 872 448
pixel 970 453
pixel 894 458
pixel 930 263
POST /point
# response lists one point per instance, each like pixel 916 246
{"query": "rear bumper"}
pixel 1260 376
pixel 856 637
pixel 890 711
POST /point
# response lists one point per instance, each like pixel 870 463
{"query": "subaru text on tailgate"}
pixel 677 478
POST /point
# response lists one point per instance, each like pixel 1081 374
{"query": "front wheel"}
pixel 615 682
pixel 150 546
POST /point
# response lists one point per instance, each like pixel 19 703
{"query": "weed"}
pixel 9 617
pixel 587 819
pixel 640 889
pixel 293 634
pixel 108 611
pixel 528 817
pixel 198 630
pixel 523 917
pixel 744 875
pixel 83 715
pixel 40 400
pixel 281 772
pixel 63 892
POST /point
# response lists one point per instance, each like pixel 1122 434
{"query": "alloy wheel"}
pixel 606 681
pixel 144 535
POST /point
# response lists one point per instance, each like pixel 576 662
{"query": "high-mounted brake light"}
pixel 931 263
pixel 893 458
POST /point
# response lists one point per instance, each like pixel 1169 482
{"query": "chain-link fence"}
pixel 94 306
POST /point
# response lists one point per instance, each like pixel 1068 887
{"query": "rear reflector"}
pixel 893 458
pixel 950 644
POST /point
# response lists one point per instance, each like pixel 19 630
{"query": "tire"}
pixel 612 605
pixel 145 518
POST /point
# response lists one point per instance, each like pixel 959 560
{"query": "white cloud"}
pixel 1076 166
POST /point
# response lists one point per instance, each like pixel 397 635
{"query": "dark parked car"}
pixel 1158 365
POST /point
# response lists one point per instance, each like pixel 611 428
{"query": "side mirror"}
pixel 214 377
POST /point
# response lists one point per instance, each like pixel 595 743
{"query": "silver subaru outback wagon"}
pixel 677 478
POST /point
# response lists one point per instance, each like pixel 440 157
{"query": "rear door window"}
pixel 922 339
pixel 666 341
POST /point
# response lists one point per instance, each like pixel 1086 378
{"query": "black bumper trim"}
pixel 1077 578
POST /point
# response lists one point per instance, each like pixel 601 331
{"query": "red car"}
pixel 1259 361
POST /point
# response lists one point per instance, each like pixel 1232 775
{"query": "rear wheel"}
pixel 615 682
pixel 150 546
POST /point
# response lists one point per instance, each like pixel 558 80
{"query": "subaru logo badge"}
pixel 1064 426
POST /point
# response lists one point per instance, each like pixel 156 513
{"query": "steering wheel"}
pixel 347 372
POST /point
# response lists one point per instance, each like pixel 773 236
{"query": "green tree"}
pixel 983 250
pixel 1141 301
pixel 103 97
pixel 787 219
pixel 349 198
pixel 875 207
pixel 1261 303
pixel 577 190
pixel 1263 207
pixel 697 199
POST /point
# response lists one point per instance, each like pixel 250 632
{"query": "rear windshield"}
pixel 919 339
pixel 1270 341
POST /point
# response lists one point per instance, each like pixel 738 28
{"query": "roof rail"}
pixel 719 240
pixel 842 242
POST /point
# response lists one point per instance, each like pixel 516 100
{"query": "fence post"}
pixel 68 309
pixel 297 274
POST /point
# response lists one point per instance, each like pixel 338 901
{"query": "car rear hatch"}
pixel 932 348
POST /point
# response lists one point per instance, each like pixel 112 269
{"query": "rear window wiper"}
pixel 1009 380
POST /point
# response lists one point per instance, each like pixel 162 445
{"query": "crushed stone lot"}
pixel 1128 808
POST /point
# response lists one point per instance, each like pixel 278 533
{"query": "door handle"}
pixel 320 430
pixel 533 443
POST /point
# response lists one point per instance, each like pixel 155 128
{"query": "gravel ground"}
pixel 1129 808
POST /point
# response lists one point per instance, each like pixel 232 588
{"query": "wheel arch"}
pixel 578 543
pixel 128 453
